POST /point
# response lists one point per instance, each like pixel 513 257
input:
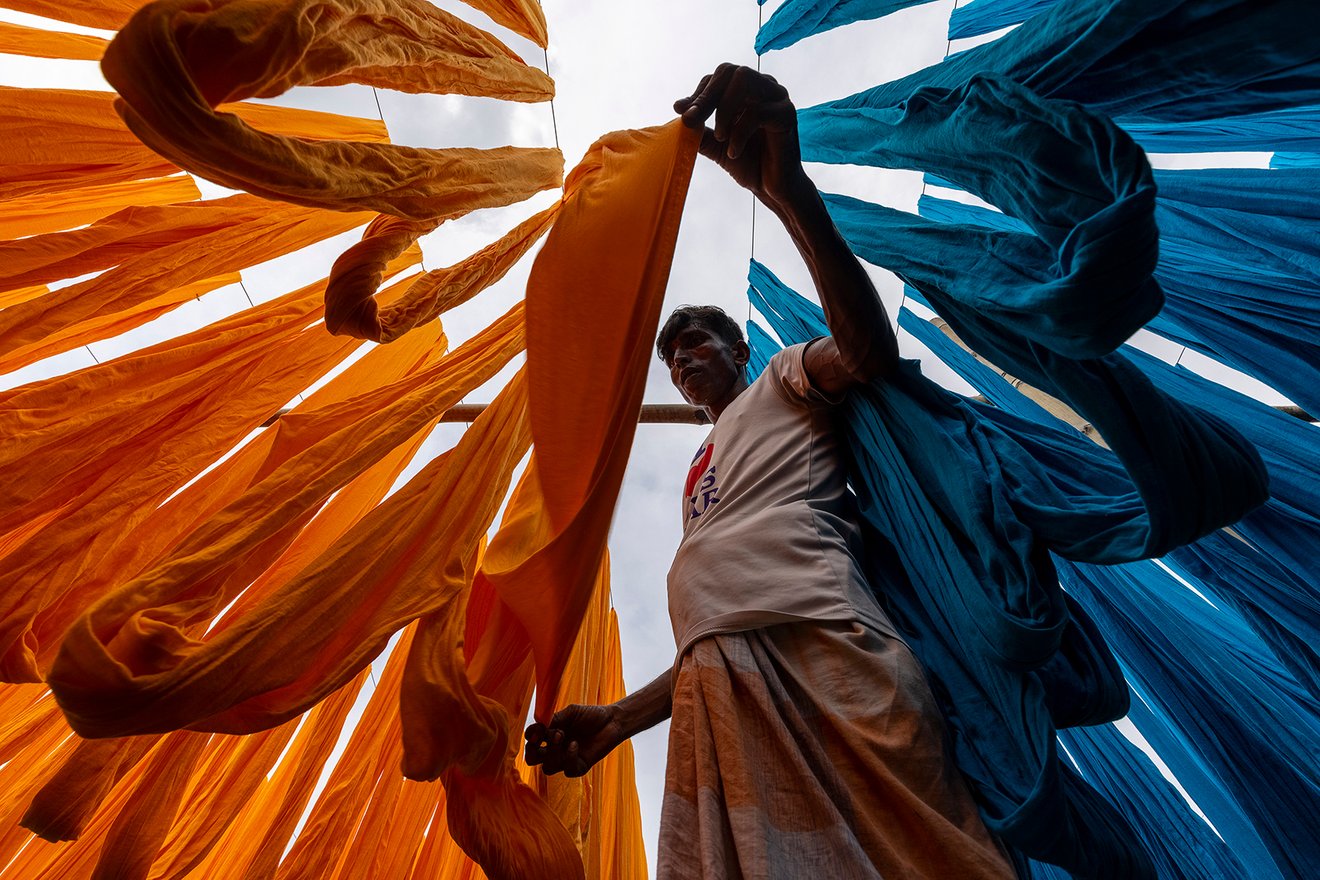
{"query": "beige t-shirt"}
pixel 770 529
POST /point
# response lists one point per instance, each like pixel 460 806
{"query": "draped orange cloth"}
pixel 51 212
pixel 63 139
pixel 177 59
pixel 350 308
pixel 34 42
pixel 520 16
pixel 108 14
pixel 593 299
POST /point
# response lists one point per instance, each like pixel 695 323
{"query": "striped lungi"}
pixel 810 747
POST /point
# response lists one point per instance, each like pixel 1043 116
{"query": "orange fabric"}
pixel 593 301
pixel 62 139
pixel 178 59
pixel 155 419
pixel 130 664
pixel 15 39
pixel 349 305
pixel 51 212
pixel 523 17
pixel 21 295
pixel 107 14
pixel 72 336
pixel 241 232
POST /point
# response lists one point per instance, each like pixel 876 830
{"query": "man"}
pixel 804 736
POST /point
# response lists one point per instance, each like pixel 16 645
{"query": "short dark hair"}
pixel 712 318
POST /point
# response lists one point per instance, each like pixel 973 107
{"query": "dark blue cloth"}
pixel 798 19
pixel 1289 128
pixel 1206 672
pixel 1167 60
pixel 983 16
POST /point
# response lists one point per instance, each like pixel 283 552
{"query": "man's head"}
pixel 706 355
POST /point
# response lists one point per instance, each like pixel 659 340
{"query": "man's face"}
pixel 703 367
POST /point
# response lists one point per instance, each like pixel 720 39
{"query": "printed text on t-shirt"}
pixel 701 489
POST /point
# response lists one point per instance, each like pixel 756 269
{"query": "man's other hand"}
pixel 576 738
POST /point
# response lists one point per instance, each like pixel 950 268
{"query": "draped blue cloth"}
pixel 1203 669
pixel 1168 60
pixel 1239 265
pixel 1288 128
pixel 1182 844
pixel 983 16
pixel 1276 594
pixel 798 19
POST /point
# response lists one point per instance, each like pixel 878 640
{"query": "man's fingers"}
pixel 535 732
pixel 711 148
pixel 705 99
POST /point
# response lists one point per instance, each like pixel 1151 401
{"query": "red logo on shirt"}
pixel 700 489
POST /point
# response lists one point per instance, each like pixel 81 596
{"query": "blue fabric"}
pixel 1270 589
pixel 983 16
pixel 1295 160
pixel 1290 128
pixel 1169 60
pixel 1206 672
pixel 1182 844
pixel 762 346
pixel 798 19
pixel 1239 266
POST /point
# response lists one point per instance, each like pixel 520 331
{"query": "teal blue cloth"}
pixel 1289 128
pixel 1296 160
pixel 1203 669
pixel 798 19
pixel 983 16
pixel 1167 60
pixel 1239 264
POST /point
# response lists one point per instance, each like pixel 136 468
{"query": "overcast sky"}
pixel 617 64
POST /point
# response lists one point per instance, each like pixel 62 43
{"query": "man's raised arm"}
pixel 755 140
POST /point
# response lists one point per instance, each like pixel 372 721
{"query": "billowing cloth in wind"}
pixel 1017 660
pixel 176 60
pixel 983 16
pixel 107 14
pixel 19 40
pixel 523 17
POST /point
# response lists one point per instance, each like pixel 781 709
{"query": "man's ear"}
pixel 741 353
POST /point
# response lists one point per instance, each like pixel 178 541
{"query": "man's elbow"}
pixel 876 362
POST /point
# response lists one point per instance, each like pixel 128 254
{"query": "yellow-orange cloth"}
pixel 64 139
pixel 52 212
pixel 176 60
pixel 593 302
pixel 350 308
pixel 15 39
pixel 523 17
pixel 814 744
pixel 134 663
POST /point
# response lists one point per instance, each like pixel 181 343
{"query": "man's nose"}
pixel 681 357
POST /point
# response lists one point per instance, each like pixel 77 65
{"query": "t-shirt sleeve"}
pixel 787 374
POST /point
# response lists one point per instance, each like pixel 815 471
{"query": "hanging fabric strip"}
pixel 106 14
pixel 53 212
pixel 177 60
pixel 349 305
pixel 1296 160
pixel 36 43
pixel 1288 128
pixel 796 20
pixel 1157 60
pixel 1205 671
pixel 249 231
pixel 593 303
pixel 63 139
pixel 523 17
pixel 983 16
